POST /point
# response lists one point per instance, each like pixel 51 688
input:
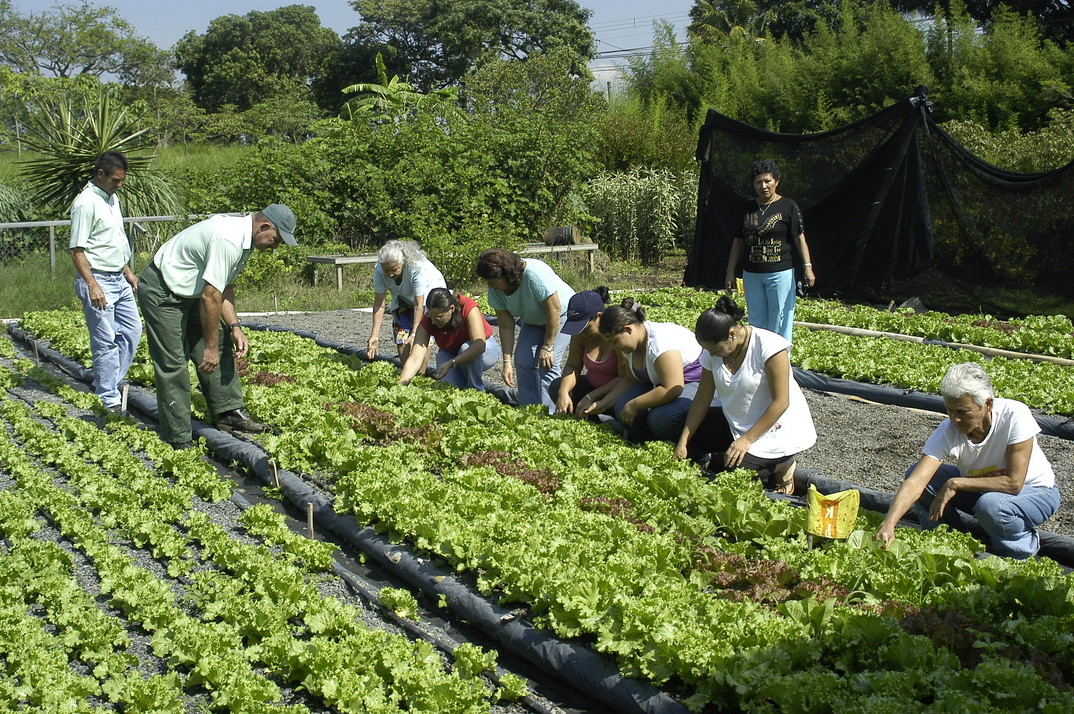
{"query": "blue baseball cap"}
pixel 582 308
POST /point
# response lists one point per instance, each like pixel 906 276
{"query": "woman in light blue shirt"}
pixel 529 292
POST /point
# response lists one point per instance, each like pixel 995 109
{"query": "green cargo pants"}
pixel 173 331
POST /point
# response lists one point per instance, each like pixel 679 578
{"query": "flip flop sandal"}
pixel 784 482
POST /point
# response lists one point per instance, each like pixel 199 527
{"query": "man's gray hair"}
pixel 400 252
pixel 967 378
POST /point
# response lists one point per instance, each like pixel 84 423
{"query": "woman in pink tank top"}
pixel 592 366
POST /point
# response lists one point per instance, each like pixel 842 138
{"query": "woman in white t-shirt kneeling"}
pixel 999 474
pixel 660 365
pixel 761 421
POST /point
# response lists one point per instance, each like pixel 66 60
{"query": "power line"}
pixel 633 21
pixel 625 53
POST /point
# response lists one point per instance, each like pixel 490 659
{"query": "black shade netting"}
pixel 883 199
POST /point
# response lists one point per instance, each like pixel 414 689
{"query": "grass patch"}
pixel 27 284
pixel 180 158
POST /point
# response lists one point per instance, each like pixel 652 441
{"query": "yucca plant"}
pixel 71 133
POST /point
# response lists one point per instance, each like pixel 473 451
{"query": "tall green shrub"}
pixel 642 214
pixel 1007 77
pixel 634 134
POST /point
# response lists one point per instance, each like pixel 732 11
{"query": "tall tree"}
pixel 79 38
pixel 242 58
pixel 443 39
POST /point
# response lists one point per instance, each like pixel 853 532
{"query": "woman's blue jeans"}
pixel 662 423
pixel 1009 520
pixel 533 380
pixel 471 374
pixel 770 300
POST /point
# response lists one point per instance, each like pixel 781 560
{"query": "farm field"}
pixel 705 588
pixel 131 581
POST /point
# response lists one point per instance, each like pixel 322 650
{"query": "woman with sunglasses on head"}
pixel 530 293
pixel 466 347
pixel 405 272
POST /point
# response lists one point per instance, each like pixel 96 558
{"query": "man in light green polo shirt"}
pixel 187 296
pixel 105 283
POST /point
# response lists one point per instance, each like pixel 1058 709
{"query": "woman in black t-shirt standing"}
pixel 770 232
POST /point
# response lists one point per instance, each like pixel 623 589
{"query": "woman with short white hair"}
pixel 999 474
pixel 408 274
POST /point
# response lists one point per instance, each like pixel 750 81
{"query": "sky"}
pixel 617 24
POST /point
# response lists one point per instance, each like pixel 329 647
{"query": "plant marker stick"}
pixel 275 473
pixel 37 355
pixel 276 303
pixel 123 399
pixel 309 519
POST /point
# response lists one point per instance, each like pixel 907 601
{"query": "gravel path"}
pixel 867 444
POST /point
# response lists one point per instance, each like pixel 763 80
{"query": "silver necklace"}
pixel 764 207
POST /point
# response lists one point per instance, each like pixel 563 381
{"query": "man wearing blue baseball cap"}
pixel 187 296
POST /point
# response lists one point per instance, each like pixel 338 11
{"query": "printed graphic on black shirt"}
pixel 764 243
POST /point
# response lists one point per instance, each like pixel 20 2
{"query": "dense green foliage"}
pixel 852 60
pixel 241 59
pixel 436 43
pixel 465 174
pixel 498 174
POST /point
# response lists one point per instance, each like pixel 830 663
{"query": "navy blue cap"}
pixel 582 308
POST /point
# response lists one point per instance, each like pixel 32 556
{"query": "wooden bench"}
pixel 531 249
pixel 339 261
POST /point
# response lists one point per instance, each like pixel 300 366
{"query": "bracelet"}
pixel 232 327
pixel 807 265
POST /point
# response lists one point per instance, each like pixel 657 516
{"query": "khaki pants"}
pixel 173 330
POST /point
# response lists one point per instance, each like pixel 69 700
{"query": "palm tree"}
pixel 391 97
pixel 70 134
pixel 714 19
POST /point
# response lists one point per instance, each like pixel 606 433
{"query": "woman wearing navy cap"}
pixel 592 365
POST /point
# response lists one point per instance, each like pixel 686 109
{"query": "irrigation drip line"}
pixel 589 672
pixel 1060 427
pixel 989 351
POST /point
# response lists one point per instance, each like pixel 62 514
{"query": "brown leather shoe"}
pixel 239 420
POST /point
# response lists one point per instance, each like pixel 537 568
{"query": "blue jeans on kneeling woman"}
pixel 1009 520
pixel 471 374
pixel 662 423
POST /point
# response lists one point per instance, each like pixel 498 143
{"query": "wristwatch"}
pixel 233 326
pixel 545 348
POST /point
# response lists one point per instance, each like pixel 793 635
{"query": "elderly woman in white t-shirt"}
pixel 406 272
pixel 762 421
pixel 999 474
